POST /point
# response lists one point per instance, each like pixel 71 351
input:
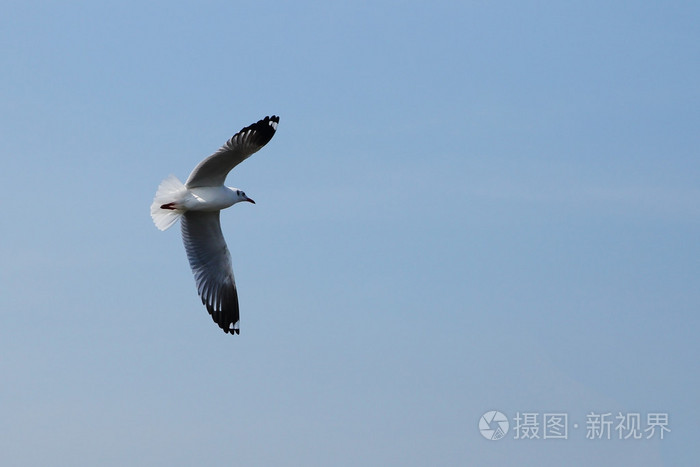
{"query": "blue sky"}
pixel 468 206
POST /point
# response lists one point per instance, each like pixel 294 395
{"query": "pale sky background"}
pixel 468 206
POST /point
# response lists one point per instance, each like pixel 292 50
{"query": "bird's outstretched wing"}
pixel 211 265
pixel 212 171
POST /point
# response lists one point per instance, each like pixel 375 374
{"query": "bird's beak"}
pixel 249 200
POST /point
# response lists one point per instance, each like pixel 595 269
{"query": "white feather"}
pixel 170 190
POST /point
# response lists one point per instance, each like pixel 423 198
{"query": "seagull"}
pixel 197 203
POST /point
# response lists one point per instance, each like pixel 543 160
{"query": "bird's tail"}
pixel 163 209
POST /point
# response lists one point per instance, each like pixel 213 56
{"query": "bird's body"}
pixel 198 203
pixel 206 198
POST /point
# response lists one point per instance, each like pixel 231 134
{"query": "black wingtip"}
pixel 227 315
pixel 264 129
pixel 230 328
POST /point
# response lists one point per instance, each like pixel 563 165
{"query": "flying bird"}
pixel 197 203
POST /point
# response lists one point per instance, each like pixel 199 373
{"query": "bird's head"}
pixel 240 196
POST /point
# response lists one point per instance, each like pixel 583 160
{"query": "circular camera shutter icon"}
pixel 493 425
